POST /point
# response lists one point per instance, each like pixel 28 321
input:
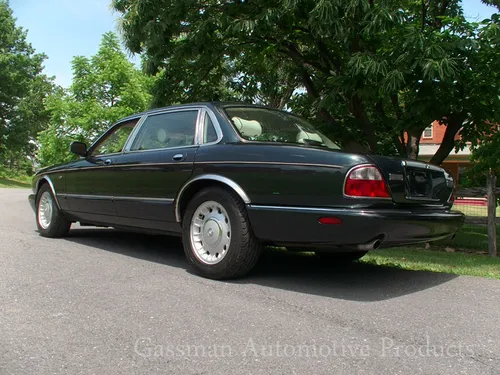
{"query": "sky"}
pixel 63 29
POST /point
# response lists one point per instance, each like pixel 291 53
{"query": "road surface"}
pixel 107 302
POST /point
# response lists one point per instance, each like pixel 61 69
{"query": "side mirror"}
pixel 78 148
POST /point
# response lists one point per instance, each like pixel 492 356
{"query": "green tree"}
pixel 105 88
pixel 485 157
pixel 23 89
pixel 374 74
pixel 495 3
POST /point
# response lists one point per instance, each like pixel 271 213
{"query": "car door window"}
pixel 114 141
pixel 209 133
pixel 167 130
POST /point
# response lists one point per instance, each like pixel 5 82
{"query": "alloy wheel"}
pixel 210 232
pixel 45 209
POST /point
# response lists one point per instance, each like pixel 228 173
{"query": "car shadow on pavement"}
pixel 153 248
pixel 276 269
pixel 356 281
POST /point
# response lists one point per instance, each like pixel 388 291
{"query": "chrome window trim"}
pixel 214 177
pixel 127 149
pixel 132 135
pixel 162 149
pixel 216 124
pixel 199 128
pixel 51 185
pixel 102 156
pixel 181 107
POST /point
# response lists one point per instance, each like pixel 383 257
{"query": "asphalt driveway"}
pixel 108 302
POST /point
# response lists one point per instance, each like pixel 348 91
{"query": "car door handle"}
pixel 107 162
pixel 178 157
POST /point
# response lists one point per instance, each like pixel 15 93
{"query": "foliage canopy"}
pixel 373 74
pixel 23 90
pixel 106 87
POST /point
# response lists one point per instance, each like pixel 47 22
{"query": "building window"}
pixel 428 132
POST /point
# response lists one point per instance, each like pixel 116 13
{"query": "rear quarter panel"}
pixel 283 175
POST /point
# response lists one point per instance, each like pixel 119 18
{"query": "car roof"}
pixel 194 104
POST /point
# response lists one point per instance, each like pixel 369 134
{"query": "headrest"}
pixel 247 128
pixel 161 134
pixel 306 135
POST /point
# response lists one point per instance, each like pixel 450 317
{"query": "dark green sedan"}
pixel 231 178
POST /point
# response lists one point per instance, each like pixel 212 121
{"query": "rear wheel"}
pixel 341 257
pixel 217 237
pixel 49 219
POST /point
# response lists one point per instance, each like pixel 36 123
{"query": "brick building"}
pixel 431 139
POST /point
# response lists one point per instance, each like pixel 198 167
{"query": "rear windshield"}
pixel 267 125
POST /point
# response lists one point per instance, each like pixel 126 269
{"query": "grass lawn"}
pixel 420 259
pixel 14 183
pixel 470 238
pixel 467 254
pixel 464 255
pixel 13 179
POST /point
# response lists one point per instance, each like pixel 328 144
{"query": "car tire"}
pixel 341 257
pixel 217 236
pixel 50 220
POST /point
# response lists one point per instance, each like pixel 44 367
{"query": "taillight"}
pixel 366 181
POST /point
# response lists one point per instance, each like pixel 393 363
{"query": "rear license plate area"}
pixel 419 183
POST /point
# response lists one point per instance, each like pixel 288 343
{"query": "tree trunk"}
pixel 492 206
pixel 413 144
pixel 356 147
pixel 358 110
pixel 454 124
pixel 400 146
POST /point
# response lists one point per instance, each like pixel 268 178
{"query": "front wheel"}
pixel 217 237
pixel 49 219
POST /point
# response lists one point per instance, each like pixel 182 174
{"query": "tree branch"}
pixel 399 141
pixel 292 51
pixel 397 108
pixel 424 14
pixel 358 110
pixel 323 50
pixel 439 11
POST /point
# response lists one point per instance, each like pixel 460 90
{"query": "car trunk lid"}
pixel 415 182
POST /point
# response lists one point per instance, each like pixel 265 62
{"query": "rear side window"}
pixel 210 135
pixel 167 130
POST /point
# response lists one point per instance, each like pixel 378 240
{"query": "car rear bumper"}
pixel 295 226
pixel 31 199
